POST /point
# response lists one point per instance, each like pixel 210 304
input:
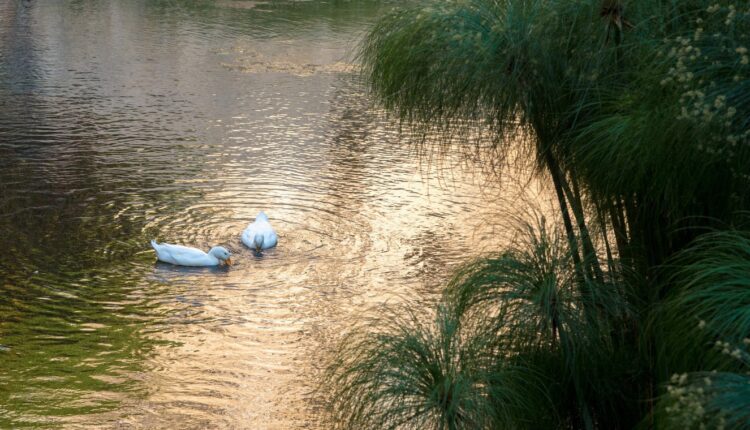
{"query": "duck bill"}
pixel 257 248
pixel 228 261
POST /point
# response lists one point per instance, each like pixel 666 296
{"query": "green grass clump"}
pixel 402 373
pixel 709 300
pixel 710 307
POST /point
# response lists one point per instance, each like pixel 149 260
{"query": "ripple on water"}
pixel 126 121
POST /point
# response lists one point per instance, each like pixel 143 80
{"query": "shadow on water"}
pixel 172 270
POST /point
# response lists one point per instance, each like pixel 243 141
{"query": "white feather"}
pixel 186 256
pixel 262 227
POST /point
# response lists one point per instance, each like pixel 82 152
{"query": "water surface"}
pixel 122 121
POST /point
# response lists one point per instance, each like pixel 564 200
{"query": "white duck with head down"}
pixel 187 256
pixel 259 235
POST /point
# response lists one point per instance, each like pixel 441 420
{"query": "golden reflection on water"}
pixel 267 324
pixel 100 153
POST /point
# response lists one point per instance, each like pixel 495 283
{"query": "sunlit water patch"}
pixel 126 121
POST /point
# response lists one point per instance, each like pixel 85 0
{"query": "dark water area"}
pixel 123 121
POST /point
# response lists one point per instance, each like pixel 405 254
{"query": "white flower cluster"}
pixel 706 70
pixel 736 353
pixel 726 348
pixel 688 398
pixel 690 395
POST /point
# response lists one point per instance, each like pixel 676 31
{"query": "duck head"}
pixel 222 254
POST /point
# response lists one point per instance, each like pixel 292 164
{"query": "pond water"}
pixel 122 121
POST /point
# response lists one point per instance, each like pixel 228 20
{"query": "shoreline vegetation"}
pixel 630 309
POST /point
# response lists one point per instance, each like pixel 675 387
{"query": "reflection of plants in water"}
pixel 82 222
pixel 73 343
pixel 284 18
pixel 257 63
pixel 73 313
pixel 73 310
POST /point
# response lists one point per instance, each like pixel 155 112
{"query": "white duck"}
pixel 259 234
pixel 186 256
